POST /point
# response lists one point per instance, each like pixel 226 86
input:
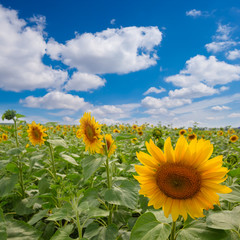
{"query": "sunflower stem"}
pixel 19 163
pixel 52 161
pixel 172 236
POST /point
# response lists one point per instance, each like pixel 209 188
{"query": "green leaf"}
pixel 21 207
pixel 7 185
pixel 20 115
pixel 69 159
pixel 65 212
pixel 198 230
pixel 14 151
pixel 3 229
pixel 124 136
pixel 123 193
pixel 57 142
pixel 234 173
pixel 225 220
pixel 63 233
pixel 38 216
pixel 147 227
pixel 90 165
pixel 95 232
pixel 18 230
pixel 233 196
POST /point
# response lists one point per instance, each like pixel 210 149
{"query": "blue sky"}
pixel 174 62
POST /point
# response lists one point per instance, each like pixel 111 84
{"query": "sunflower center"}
pixel 90 133
pixel 178 181
pixel 36 133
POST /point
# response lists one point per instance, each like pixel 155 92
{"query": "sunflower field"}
pixel 122 182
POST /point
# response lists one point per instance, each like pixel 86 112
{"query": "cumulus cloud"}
pixel 220 108
pixel 56 100
pixel 113 50
pixel 194 91
pixel 154 90
pixel 21 50
pixel 232 55
pixel 209 71
pixel 223 32
pixel 166 102
pixel 219 46
pixel 194 13
pixel 84 82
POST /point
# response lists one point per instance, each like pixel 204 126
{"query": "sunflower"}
pixel 220 133
pixel 133 140
pixel 36 133
pixel 4 137
pixel 192 136
pixel 109 146
pixel 181 181
pixel 90 131
pixel 182 132
pixel 231 131
pixel 233 138
pixel 134 127
pixel 116 130
pixel 189 129
pixel 140 133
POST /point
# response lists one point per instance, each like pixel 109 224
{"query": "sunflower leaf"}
pixel 147 227
pixel 199 230
pixel 90 165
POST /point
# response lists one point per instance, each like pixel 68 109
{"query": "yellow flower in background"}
pixel 116 130
pixel 220 133
pixel 233 138
pixel 109 145
pixel 27 145
pixel 189 130
pixel 140 133
pixel 4 137
pixel 181 181
pixel 231 131
pixel 192 136
pixel 139 129
pixel 90 132
pixel 36 133
pixel 134 140
pixel 134 127
pixel 182 132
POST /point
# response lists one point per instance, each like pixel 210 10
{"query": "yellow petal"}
pixel 146 159
pixel 180 149
pixel 155 151
pixel 143 170
pixel 168 151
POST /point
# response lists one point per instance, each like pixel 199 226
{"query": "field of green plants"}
pixel 64 182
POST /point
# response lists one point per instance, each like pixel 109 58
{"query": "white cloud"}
pixel 194 13
pixel 232 55
pixel 223 32
pixel 194 91
pixel 154 90
pixel 56 100
pixel 223 88
pixel 166 102
pixel 84 82
pixel 220 108
pixel 209 71
pixel 234 115
pixel 68 120
pixel 113 21
pixel 21 50
pixel 106 109
pixel 121 50
pixel 219 46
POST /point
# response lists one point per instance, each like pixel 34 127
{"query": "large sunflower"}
pixel 36 133
pixel 90 131
pixel 181 181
